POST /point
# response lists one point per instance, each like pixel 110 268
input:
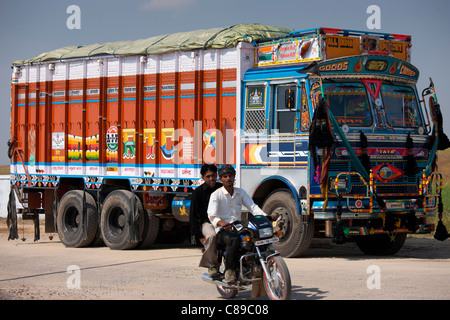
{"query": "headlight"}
pixel 342 184
pixel 265 232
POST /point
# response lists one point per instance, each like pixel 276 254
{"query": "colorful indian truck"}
pixel 325 128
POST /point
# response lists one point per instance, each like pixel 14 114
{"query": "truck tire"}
pixel 381 245
pixel 297 235
pixel 115 220
pixel 150 232
pixel 68 221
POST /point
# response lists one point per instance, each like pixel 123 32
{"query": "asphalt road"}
pixel 47 270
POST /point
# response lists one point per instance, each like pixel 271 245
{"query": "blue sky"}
pixel 28 28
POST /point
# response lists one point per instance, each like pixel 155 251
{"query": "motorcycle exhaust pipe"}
pixel 206 278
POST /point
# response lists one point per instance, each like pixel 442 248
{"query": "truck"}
pixel 324 126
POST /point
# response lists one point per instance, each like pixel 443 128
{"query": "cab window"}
pixel 285 108
pixel 401 106
pixel 349 103
pixel 255 109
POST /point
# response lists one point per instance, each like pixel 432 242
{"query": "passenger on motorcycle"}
pixel 200 226
pixel 225 207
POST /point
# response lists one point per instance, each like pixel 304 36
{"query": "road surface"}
pixel 47 270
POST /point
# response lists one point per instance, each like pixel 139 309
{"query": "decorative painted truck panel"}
pixel 147 120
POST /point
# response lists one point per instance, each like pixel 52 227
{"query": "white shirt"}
pixel 226 207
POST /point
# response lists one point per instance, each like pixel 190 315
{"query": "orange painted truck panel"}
pixel 121 117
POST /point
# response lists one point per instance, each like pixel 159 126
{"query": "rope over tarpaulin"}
pixel 215 38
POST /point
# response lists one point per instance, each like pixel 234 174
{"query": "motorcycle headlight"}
pixel 265 232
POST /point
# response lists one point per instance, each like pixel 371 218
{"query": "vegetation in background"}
pixel 4 170
pixel 444 168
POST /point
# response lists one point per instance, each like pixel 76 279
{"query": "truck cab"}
pixel 335 125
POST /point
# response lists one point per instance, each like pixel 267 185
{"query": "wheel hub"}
pixel 121 220
pixel 283 219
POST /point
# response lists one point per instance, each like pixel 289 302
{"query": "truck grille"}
pixel 403 186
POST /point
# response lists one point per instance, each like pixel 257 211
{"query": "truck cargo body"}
pixel 110 147
pixel 121 117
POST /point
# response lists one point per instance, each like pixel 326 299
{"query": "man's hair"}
pixel 208 167
pixel 226 169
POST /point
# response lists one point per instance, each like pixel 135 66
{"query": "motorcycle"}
pixel 258 262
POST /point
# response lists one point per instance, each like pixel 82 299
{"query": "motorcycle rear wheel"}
pixel 280 288
pixel 227 293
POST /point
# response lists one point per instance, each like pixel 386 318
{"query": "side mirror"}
pixel 425 92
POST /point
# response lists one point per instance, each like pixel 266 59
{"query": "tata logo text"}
pixel 386 151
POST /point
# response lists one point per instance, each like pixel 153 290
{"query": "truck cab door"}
pixel 283 123
pixel 275 124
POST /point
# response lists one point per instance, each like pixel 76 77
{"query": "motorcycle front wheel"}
pixel 280 286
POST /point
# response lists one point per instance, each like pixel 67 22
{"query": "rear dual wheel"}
pixel 122 221
pixel 115 223
pixel 73 231
pixel 151 229
pixel 125 224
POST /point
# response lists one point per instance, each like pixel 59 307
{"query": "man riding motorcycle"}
pixel 225 207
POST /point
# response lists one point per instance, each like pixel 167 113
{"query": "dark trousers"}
pixel 231 241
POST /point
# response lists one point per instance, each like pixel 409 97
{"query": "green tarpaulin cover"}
pixel 216 38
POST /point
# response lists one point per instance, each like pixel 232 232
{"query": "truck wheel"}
pixel 381 245
pixel 297 235
pixel 151 228
pixel 68 221
pixel 115 220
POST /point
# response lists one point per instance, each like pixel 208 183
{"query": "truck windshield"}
pixel 401 106
pixel 349 103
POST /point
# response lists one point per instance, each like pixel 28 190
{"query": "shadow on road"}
pixel 414 247
pixel 298 293
pixel 301 293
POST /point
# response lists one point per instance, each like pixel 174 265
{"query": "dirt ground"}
pixel 45 270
